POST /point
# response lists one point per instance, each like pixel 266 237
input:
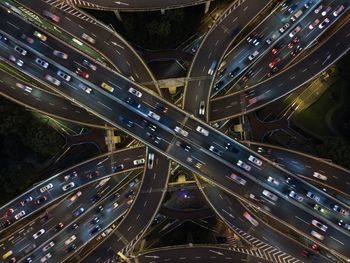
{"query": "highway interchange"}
pixel 145 119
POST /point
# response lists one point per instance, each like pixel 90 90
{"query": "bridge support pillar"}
pixel 207 5
pixel 162 11
pixel 117 14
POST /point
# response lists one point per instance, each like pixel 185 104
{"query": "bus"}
pixel 107 87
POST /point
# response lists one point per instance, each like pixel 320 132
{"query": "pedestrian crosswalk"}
pixel 81 3
pixel 263 250
pixel 68 6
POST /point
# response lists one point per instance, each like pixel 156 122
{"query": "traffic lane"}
pixel 113 46
pixel 285 82
pixel 143 210
pixel 197 254
pixel 133 5
pixel 46 102
pixel 217 40
pixel 232 211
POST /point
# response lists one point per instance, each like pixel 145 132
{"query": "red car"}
pixel 274 62
pixel 82 73
pixel 274 50
pixel 93 174
pixel 8 212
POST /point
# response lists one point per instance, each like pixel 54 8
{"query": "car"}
pixel 63 75
pixel 20 214
pixel 218 84
pixel 92 174
pixel 117 168
pixel 222 72
pixel 115 205
pixel 135 92
pixel 243 165
pixel 319 208
pixel 295 196
pixel 60 54
pixel 95 229
pixel 293 42
pixel 41 62
pixel 325 11
pixel 26 200
pixel 28 39
pixel 320 176
pixel 270 195
pixel 99 209
pixel 3 38
pixel 252 220
pixel 150 160
pixel 52 16
pixel 40 200
pixel 20 50
pixel 341 223
pixel 273 180
pixel 273 37
pixel 309 3
pixel 5 224
pixel 238 179
pixel 82 73
pixel 246 76
pixel 18 62
pixel 212 67
pixel 74 226
pixel 45 258
pixel 96 197
pixel 338 10
pixel 39 35
pixel 296 51
pixel 71 248
pixel 153 115
pixel 234 72
pixel 139 161
pixel 8 212
pixel 274 62
pixel 149 125
pixel 295 31
pixel 183 145
pixel 28 260
pixel 75 196
pixel 133 103
pixel 313 196
pixel 274 50
pixel 181 131
pixel 317 235
pixel 89 65
pixel 70 176
pixel 70 240
pixel 88 38
pixel 162 108
pixel 68 186
pixel 39 233
pixel 292 8
pixel 319 225
pixel 201 108
pixel 314 24
pixel 94 221
pixel 318 9
pixel 46 187
pixel 59 227
pixel 215 150
pixel 126 121
pixel 48 246
pixel 324 23
pixel 78 211
pixel 284 28
pixel 340 210
pixel 253 55
pixel 202 131
pixel 154 138
pixel 255 160
pixel 52 80
pixel 7 254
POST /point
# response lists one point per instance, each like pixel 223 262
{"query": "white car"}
pixel 181 131
pixel 115 205
pixel 318 9
pixel 317 235
pixel 88 38
pixel 48 246
pixel 46 187
pixel 238 179
pixel 313 196
pixel 273 180
pixel 270 195
pixel 20 214
pixel 244 165
pixel 255 160
pixel 41 62
pixel 295 196
pixel 60 54
pixel 202 107
pixel 63 75
pixel 324 23
pixel 320 176
pixel 250 219
pixel 68 186
pixel 52 80
pixel 202 131
pixel 18 62
pixel 85 88
pixel 21 50
pixel 154 115
pixel 284 28
pixel 253 55
pixel 338 10
pixel 150 160
pixel 135 92
pixel 324 12
pixel 24 87
pixel 45 258
pixel 70 240
pixel 295 31
pixel 139 161
pixel 319 225
pixel 39 233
